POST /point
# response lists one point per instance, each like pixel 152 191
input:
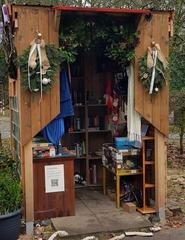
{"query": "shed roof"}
pixel 102 10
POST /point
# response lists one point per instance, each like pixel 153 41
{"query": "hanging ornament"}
pixel 157 89
pixel 38 65
pixel 45 81
pixel 153 67
pixel 37 56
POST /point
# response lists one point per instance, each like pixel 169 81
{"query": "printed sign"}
pixel 54 178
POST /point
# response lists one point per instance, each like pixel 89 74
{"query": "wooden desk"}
pixel 118 173
pixel 53 204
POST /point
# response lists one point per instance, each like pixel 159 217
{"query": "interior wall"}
pixel 154 109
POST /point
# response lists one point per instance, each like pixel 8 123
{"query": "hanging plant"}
pixel 115 40
pixel 153 70
pixel 121 45
pixel 33 79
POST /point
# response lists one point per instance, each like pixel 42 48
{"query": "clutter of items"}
pixel 122 155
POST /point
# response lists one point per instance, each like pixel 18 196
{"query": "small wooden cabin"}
pixel 29 116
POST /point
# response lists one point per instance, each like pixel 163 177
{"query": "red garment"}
pixel 108 96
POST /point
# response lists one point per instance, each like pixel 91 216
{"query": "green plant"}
pixel 10 194
pixel 111 38
pixel 10 182
pixel 8 162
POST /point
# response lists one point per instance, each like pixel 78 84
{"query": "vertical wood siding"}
pixel 34 115
pixel 153 109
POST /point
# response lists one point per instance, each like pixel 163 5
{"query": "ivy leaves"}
pixel 104 34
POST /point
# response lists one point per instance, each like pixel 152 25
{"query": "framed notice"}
pixel 54 178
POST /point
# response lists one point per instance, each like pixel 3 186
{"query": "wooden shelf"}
pixel 147 138
pixel 89 110
pixel 90 105
pixel 91 157
pixel 80 186
pixel 146 210
pixel 95 185
pixel 98 131
pixel 97 105
pixel 79 105
pixel 124 172
pixel 87 186
pixel 149 162
pixel 83 157
pixel 77 132
pixel 90 131
pixel 149 185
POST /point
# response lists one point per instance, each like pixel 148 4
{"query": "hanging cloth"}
pixel 133 118
pixel 66 106
pixel 54 131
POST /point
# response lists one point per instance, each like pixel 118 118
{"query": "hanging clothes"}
pixel 66 106
pixel 133 117
pixel 53 132
pixel 55 129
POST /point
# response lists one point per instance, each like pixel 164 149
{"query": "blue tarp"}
pixel 55 129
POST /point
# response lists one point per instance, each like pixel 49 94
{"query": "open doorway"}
pixel 98 51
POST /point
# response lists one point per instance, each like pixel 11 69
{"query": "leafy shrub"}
pixel 10 194
pixel 10 182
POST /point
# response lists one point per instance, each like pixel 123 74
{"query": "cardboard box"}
pixel 129 207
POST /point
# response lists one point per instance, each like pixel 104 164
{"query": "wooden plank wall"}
pixel 34 115
pixel 153 109
pixel 160 173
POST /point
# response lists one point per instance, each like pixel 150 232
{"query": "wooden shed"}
pixel 29 115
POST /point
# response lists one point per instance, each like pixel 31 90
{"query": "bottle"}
pixel 83 148
pixel 78 124
pixel 94 175
pixel 52 151
pixel 77 149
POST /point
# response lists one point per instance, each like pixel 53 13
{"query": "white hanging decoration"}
pixel 45 81
pixel 154 53
pixel 36 89
pixel 38 49
pixel 156 89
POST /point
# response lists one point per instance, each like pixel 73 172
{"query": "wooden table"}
pixel 118 173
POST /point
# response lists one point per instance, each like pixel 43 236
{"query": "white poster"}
pixel 54 178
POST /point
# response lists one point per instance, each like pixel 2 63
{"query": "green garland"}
pixel 146 75
pixel 53 55
pixel 113 39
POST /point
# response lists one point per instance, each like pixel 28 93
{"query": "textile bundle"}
pixel 133 118
pixel 55 129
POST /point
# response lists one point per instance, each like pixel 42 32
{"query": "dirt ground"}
pixel 175 186
pixel 175 210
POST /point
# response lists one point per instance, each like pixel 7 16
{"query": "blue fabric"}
pixel 55 129
pixel 66 107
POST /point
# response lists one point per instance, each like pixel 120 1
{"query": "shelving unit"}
pixel 148 161
pixel 88 88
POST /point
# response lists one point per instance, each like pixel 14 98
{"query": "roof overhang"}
pixel 102 10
